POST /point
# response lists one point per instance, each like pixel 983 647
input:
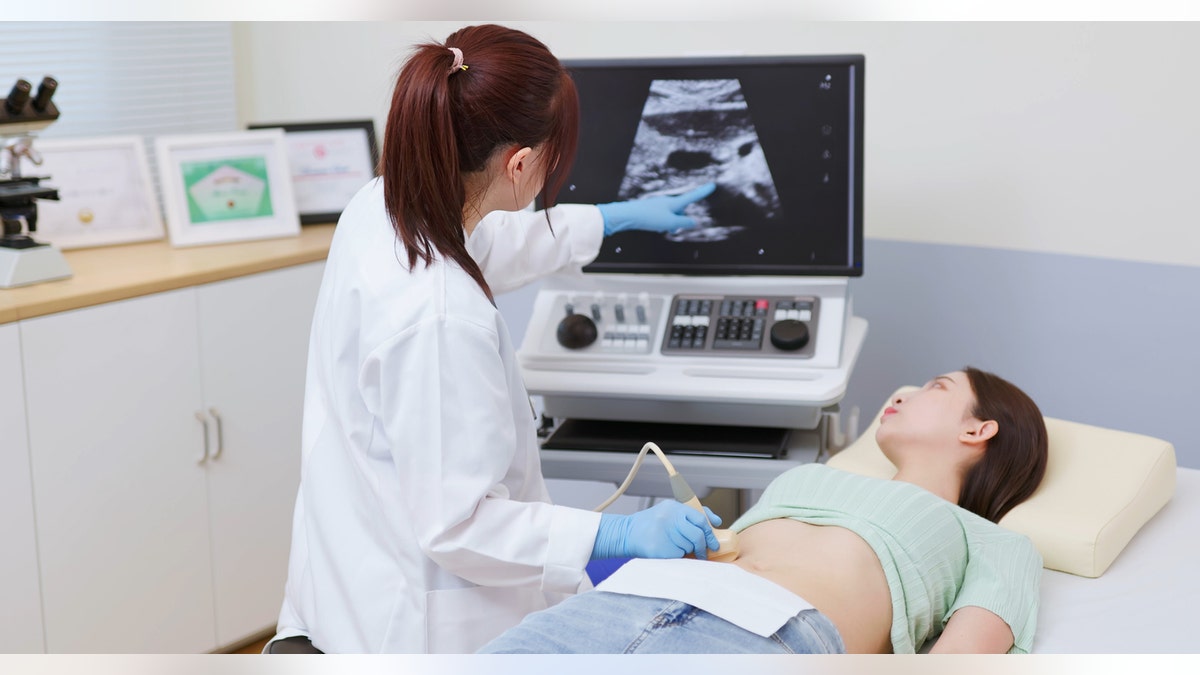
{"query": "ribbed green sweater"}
pixel 937 556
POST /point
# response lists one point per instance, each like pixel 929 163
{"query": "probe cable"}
pixel 683 493
pixel 728 549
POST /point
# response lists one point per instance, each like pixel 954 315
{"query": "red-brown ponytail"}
pixel 443 125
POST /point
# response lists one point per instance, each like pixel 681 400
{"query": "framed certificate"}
pixel 330 162
pixel 226 187
pixel 105 193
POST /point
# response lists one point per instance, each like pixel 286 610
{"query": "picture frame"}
pixel 106 195
pixel 330 162
pixel 226 187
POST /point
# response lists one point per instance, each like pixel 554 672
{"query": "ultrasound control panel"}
pixel 729 325
pixel 687 325
pixel 738 351
pixel 608 323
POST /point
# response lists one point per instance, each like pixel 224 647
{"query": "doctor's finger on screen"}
pixel 663 213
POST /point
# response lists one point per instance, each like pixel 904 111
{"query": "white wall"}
pixel 1053 137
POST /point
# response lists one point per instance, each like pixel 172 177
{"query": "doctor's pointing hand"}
pixel 422 521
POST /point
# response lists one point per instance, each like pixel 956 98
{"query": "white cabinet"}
pixel 20 589
pixel 149 541
pixel 120 496
pixel 254 348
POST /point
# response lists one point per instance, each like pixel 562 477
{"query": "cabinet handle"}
pixel 203 421
pixel 220 436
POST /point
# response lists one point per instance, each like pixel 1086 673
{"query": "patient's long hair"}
pixel 1015 460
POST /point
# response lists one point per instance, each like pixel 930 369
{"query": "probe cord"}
pixel 637 464
pixel 728 549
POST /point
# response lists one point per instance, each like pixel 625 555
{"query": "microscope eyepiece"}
pixel 44 93
pixel 18 97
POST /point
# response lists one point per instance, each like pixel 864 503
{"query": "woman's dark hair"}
pixel 1015 460
pixel 444 124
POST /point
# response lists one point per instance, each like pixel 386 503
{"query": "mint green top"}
pixel 938 557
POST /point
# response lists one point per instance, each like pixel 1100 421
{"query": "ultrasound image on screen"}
pixel 779 136
pixel 693 132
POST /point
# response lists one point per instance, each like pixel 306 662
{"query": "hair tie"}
pixel 458 60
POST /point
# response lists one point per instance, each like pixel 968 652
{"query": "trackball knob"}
pixel 576 331
pixel 789 334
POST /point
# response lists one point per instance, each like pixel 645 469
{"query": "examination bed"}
pixel 1145 602
pixel 1118 526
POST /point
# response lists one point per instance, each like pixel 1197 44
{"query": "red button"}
pixel 761 304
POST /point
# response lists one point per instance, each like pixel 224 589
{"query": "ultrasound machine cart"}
pixel 729 345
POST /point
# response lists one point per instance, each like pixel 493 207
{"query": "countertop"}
pixel 111 273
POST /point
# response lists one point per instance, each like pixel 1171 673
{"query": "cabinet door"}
pixel 253 345
pixel 20 589
pixel 122 527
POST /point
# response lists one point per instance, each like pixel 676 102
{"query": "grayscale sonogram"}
pixel 693 132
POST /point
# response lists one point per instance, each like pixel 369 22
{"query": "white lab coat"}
pixel 422 522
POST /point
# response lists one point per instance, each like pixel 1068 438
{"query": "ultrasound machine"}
pixel 731 344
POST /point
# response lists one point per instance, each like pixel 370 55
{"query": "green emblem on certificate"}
pixel 227 189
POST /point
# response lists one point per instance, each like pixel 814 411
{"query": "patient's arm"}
pixel 974 630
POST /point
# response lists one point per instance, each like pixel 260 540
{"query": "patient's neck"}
pixel 940 479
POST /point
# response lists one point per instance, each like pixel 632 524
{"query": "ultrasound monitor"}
pixel 781 137
pixel 745 320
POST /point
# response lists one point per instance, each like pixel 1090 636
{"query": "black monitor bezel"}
pixel 854 267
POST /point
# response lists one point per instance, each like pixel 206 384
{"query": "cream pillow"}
pixel 1101 486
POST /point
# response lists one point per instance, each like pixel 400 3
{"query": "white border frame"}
pixel 300 136
pixel 269 144
pixel 133 191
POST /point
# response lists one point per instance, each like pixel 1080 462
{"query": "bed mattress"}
pixel 1146 602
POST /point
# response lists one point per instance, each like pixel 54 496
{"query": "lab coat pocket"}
pixel 461 620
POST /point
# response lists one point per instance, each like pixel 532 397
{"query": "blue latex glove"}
pixel 657 214
pixel 666 530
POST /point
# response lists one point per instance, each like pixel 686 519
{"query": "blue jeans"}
pixel 597 622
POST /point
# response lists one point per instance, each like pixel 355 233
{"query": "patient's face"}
pixel 930 417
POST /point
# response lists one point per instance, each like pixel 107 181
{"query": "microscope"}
pixel 24 260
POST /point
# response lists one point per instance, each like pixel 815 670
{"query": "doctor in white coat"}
pixel 422 521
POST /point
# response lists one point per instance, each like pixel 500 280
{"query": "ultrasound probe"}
pixel 684 494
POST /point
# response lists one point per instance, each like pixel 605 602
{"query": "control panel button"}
pixel 789 335
pixel 576 331
pixel 740 326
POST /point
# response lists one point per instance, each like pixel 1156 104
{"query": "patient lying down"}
pixel 832 561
